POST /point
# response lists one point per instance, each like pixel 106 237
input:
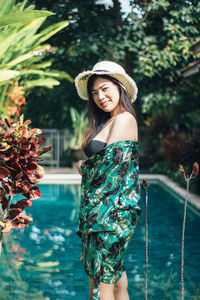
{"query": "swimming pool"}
pixel 42 261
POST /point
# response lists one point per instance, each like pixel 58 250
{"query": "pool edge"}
pixel 64 178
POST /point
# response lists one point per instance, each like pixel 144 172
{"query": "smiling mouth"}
pixel 105 103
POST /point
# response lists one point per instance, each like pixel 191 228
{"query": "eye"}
pixel 105 88
pixel 94 94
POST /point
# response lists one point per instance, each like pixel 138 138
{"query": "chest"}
pixel 104 133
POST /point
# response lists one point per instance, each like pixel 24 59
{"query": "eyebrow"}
pixel 99 87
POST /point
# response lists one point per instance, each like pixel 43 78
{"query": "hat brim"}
pixel 129 84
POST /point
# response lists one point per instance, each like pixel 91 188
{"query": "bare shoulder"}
pixel 123 128
pixel 125 118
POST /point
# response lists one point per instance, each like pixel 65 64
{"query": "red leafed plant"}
pixel 19 171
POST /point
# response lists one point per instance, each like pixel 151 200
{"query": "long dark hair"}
pixel 96 116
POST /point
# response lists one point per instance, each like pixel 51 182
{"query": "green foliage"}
pixel 79 121
pixel 22 48
pixel 22 17
pixel 197 296
pixel 152 43
pixel 160 167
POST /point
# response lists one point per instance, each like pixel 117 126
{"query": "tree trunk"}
pixel 117 8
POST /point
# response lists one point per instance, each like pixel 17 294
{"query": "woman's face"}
pixel 106 96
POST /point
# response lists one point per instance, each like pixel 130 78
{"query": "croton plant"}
pixel 20 149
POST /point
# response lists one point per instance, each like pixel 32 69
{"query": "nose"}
pixel 101 95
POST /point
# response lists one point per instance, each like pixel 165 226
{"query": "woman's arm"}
pixel 124 128
pixel 78 166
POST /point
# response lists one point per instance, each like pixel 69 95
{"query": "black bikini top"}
pixel 93 147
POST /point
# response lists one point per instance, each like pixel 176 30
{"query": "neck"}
pixel 118 110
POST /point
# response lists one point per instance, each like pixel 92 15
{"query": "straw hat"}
pixel 106 68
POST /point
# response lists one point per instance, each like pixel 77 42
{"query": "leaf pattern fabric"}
pixel 109 210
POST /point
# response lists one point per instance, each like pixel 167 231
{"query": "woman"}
pixel 110 182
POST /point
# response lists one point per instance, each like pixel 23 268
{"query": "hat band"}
pixel 101 71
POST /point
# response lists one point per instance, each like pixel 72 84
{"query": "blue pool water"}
pixel 42 261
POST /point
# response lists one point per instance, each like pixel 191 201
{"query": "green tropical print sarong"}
pixel 109 210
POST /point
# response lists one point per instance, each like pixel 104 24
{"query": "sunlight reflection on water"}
pixel 42 261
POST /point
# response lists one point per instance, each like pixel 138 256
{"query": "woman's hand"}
pixel 78 166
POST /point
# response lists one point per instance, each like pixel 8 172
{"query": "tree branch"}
pixel 145 16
